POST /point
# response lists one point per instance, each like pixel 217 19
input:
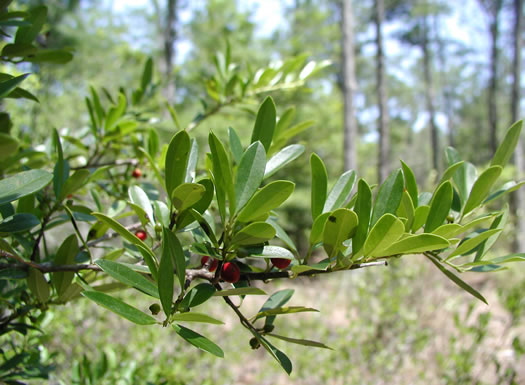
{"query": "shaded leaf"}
pixel 199 341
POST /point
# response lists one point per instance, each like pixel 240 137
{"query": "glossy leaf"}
pixel 481 188
pixel 74 182
pixel 420 217
pixel 250 174
pixel 239 291
pixel 18 223
pixel 316 235
pixel 458 281
pixel 389 196
pixel 282 235
pixel 198 295
pixel 505 189
pixel 192 161
pixel 439 207
pixel 128 277
pixel 363 209
pixel 340 226
pixel 199 341
pixel 278 355
pixel 499 223
pixel 22 184
pixel 222 174
pixel 254 233
pixel 140 198
pixel 471 243
pixel 450 171
pixel 265 124
pixel 415 244
pixel 121 308
pixel 186 195
pixel 235 145
pixel 507 145
pixel 165 274
pixel 266 199
pixel 319 185
pixel 269 252
pixel 195 317
pixel 340 192
pixel 65 256
pixel 277 299
pixel 177 161
pixel 410 183
pixel 172 243
pixel 385 232
pixel 282 158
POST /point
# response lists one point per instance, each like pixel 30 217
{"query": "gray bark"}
pixel 348 86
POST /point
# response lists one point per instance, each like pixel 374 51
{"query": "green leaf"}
pixel 177 161
pixel 278 355
pixel 450 171
pixel 499 223
pixel 319 185
pixel 385 232
pixel 303 342
pixel 458 281
pixel 268 198
pixel 284 122
pixel 282 158
pixel 414 244
pixel 8 146
pixel 249 174
pixel 128 277
pixel 282 235
pixel 147 74
pixel 165 274
pixel 222 174
pixel 471 243
pixel 122 309
pixel 505 189
pixel 38 285
pixel 192 161
pixel 22 184
pixel 406 210
pixel 389 196
pixel 340 192
pixel 116 112
pixel 61 170
pixel 122 231
pixel 363 209
pixel 186 195
pixel 9 85
pixel 74 182
pixel 265 124
pixel 172 243
pixel 162 213
pixel 20 93
pixel 507 145
pixel 140 198
pixel 253 234
pixel 197 295
pixel 235 145
pixel 277 299
pixel 37 18
pixel 198 340
pixel 439 207
pixel 410 182
pixel 267 252
pixel 316 235
pixel 284 310
pixel 420 217
pixel 448 230
pixel 18 223
pixel 205 226
pixel 340 226
pixel 239 291
pixel 321 266
pixel 195 317
pixel 56 56
pixel 481 188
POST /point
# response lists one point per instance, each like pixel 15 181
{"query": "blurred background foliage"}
pixel 398 325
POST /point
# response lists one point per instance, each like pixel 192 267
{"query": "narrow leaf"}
pixel 319 185
pixel 265 124
pixel 439 207
pixel 268 198
pixel 389 196
pixel 128 277
pixel 199 341
pixel 249 174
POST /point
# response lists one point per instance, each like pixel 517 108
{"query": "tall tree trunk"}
pixel 518 198
pixel 384 131
pixel 348 86
pixel 494 10
pixel 429 94
pixel 166 26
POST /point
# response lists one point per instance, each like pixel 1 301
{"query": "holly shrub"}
pixel 104 185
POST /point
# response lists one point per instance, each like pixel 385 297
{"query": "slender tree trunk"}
pixel 493 83
pixel 518 198
pixel 429 95
pixel 348 86
pixel 384 131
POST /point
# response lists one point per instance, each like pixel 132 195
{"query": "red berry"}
pixel 137 173
pixel 280 263
pixel 141 234
pixel 230 272
pixel 213 264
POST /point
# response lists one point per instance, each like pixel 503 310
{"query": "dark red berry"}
pixel 137 173
pixel 213 264
pixel 280 263
pixel 230 272
pixel 141 234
